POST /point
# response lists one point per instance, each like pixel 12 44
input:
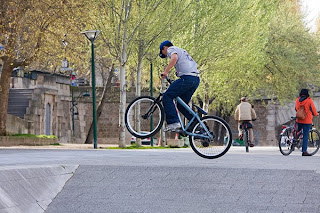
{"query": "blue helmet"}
pixel 162 45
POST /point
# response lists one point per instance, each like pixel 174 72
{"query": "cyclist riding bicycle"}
pixel 245 112
pixel 184 87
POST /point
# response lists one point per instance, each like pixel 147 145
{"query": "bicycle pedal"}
pixel 180 131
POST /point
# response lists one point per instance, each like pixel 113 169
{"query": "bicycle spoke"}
pixel 144 117
pixel 216 146
pixel 314 140
pixel 285 142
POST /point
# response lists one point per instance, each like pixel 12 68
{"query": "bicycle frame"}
pixel 195 116
pixel 296 134
pixel 184 128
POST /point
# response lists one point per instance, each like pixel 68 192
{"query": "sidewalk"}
pixel 61 146
pixel 156 180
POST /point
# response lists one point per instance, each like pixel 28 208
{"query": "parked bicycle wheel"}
pixel 144 117
pixel 314 141
pixel 216 146
pixel 285 141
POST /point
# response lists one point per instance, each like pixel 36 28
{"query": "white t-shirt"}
pixel 185 64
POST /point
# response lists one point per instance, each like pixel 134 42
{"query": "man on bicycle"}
pixel 184 87
pixel 245 112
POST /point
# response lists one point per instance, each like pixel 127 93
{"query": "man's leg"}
pixel 240 131
pixel 172 92
pixel 306 128
pixel 251 138
pixel 190 84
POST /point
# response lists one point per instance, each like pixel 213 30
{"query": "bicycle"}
pixel 245 126
pixel 209 136
pixel 290 138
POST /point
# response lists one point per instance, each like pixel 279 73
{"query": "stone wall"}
pixel 108 123
pixel 53 92
pixel 16 125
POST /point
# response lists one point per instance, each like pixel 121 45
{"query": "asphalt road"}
pixel 178 180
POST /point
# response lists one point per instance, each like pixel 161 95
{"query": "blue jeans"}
pixel 306 128
pixel 184 87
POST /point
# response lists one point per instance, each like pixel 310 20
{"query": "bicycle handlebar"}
pixel 168 79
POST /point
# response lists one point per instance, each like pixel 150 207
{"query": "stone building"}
pixel 41 103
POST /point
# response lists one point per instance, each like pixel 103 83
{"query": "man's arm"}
pixel 172 62
pixel 236 114
pixel 253 114
pixel 314 110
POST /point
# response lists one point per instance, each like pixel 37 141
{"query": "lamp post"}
pixel 151 94
pixel 91 36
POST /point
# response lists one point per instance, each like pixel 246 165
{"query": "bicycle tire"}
pixel 314 142
pixel 285 142
pixel 246 139
pixel 215 147
pixel 149 124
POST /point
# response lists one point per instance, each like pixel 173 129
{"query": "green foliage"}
pixel 134 146
pixel 292 55
pixel 34 136
pixel 252 48
pixel 256 48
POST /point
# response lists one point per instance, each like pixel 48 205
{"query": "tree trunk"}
pixel 123 98
pixel 138 91
pixel 123 85
pixel 4 93
pixel 101 105
pixel 163 138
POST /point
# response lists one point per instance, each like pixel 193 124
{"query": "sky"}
pixel 312 9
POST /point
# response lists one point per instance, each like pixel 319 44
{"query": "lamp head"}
pixel 91 34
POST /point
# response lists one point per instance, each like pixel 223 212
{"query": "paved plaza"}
pixel 84 180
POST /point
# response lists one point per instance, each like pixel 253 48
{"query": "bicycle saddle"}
pixel 201 111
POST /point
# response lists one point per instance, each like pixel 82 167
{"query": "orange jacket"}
pixel 309 108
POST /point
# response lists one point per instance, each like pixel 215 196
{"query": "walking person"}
pixel 245 112
pixel 184 87
pixel 305 123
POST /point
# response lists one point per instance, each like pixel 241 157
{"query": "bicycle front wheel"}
pixel 144 117
pixel 285 141
pixel 216 146
pixel 314 141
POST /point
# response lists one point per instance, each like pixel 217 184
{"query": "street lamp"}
pixel 92 35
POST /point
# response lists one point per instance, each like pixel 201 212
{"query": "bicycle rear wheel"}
pixel 216 146
pixel 246 139
pixel 314 141
pixel 285 142
pixel 144 117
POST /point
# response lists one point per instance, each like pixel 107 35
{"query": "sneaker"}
pixel 306 154
pixel 172 127
pixel 250 144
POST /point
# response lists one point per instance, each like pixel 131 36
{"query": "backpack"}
pixel 301 114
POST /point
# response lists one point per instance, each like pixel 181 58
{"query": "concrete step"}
pixel 18 101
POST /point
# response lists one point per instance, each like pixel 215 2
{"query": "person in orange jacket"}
pixel 310 110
